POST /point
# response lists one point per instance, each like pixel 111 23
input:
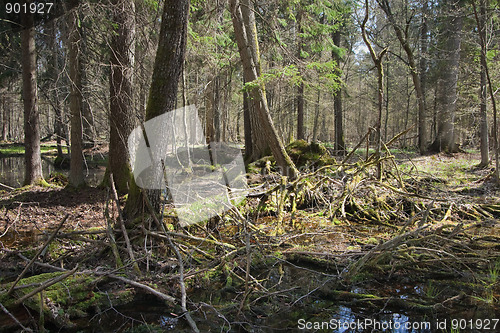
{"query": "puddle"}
pixel 12 171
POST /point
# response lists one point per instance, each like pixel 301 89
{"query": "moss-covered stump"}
pixel 74 297
pixel 309 154
pixel 303 155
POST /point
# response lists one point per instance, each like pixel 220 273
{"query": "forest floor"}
pixel 336 246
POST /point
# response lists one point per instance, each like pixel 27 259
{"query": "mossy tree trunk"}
pixel 122 117
pixel 261 122
pixel 166 73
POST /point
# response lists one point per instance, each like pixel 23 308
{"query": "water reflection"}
pixel 12 171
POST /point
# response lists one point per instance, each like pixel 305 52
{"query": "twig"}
pixel 20 276
pixel 142 286
pixel 179 258
pixel 111 235
pixel 6 187
pixel 122 225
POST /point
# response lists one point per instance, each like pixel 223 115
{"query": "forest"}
pixel 249 166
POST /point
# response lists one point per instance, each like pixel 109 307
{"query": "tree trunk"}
pixel 122 116
pixel 75 99
pixel 246 38
pixel 88 126
pixel 300 88
pixel 447 83
pixel 483 92
pixel 490 88
pixel 337 104
pixel 377 60
pixel 32 157
pixel 404 41
pixel 166 73
pixel 424 137
pixel 55 73
pixel 316 117
pixel 247 126
pixel 261 146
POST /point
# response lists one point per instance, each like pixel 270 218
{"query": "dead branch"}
pixel 122 225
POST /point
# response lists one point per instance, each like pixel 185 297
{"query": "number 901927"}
pixel 24 8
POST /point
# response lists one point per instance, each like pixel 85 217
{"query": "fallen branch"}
pixel 122 225
pixel 142 286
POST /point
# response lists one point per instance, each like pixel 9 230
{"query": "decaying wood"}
pixel 47 284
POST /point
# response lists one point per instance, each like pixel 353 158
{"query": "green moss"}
pixel 305 154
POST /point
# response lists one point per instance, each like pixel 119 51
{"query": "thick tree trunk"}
pixel 447 83
pixel 122 116
pixel 247 42
pixel 167 71
pixel 260 143
pixel 76 164
pixel 32 157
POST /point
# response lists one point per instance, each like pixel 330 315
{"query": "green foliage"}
pixel 290 73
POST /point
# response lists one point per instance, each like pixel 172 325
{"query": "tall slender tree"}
pixel 402 33
pixel 76 163
pixel 32 156
pixel 377 60
pixel 483 85
pixel 122 116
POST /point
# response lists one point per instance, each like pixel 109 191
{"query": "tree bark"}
pixel 447 83
pixel 76 178
pixel 260 144
pixel 483 92
pixel 246 38
pixel 247 126
pixel 32 156
pixel 300 88
pixel 166 73
pixel 55 73
pixel 492 94
pixel 122 116
pixel 340 148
